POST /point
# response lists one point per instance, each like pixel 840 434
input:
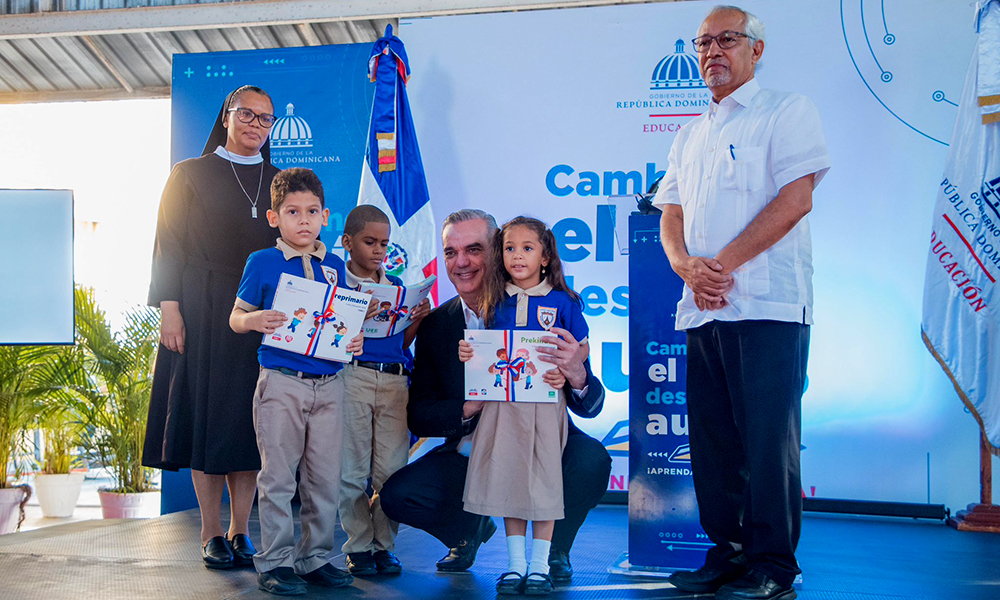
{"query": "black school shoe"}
pixel 386 562
pixel 217 554
pixel 281 581
pixel 560 570
pixel 510 583
pixel 537 584
pixel 243 550
pixel 328 576
pixel 361 563
pixel 755 585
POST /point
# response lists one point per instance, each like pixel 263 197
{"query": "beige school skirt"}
pixel 515 467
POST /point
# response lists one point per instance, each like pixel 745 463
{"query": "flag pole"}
pixel 984 516
pixel 985 471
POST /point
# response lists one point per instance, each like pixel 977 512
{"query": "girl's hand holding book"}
pixel 465 351
pixel 554 378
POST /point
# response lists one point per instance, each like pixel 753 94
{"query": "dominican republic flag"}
pixel 961 321
pixel 392 177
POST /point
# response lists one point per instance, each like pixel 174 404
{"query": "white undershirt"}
pixel 472 320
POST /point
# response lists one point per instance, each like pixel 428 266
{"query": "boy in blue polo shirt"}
pixel 376 441
pixel 297 407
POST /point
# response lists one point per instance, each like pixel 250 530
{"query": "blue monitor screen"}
pixel 36 268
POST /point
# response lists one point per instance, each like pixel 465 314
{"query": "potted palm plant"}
pixel 115 401
pixel 56 485
pixel 27 375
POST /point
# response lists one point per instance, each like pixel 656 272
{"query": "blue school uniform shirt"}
pixel 260 278
pixel 541 307
pixel 388 349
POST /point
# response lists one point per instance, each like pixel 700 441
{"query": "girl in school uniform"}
pixel 515 468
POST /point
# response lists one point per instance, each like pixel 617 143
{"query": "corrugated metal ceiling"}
pixel 63 50
pixel 137 65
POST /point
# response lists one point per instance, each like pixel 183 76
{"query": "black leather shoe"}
pixel 328 576
pixel 510 583
pixel 242 549
pixel 559 568
pixel 704 580
pixel 281 581
pixel 462 556
pixel 386 562
pixel 361 563
pixel 216 553
pixel 537 584
pixel 755 585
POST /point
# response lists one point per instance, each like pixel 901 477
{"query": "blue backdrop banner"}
pixel 322 98
pixel 663 515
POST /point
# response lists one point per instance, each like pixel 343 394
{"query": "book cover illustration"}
pixel 395 303
pixel 322 318
pixel 505 367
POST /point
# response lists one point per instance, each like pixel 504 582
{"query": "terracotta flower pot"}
pixel 10 507
pixel 141 505
pixel 57 494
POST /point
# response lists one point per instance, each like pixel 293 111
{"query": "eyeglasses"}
pixel 726 40
pixel 245 115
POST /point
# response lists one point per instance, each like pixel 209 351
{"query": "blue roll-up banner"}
pixel 322 98
pixel 664 532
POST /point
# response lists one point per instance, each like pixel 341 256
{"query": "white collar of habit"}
pixel 239 159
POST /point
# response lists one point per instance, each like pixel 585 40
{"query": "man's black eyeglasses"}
pixel 726 40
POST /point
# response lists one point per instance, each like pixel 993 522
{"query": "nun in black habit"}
pixel 211 217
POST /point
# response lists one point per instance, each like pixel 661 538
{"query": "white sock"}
pixel 539 556
pixel 515 554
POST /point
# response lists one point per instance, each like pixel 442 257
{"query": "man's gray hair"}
pixel 471 214
pixel 752 26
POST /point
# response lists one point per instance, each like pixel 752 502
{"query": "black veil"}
pixel 219 136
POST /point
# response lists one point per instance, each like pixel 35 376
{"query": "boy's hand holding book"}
pixel 357 344
pixel 420 311
pixel 265 321
pixel 372 308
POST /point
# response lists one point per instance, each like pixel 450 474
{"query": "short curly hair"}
pixel 292 180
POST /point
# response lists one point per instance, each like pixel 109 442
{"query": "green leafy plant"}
pixel 62 430
pixel 114 392
pixel 28 374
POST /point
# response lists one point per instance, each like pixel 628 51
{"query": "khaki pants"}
pixel 376 445
pixel 298 424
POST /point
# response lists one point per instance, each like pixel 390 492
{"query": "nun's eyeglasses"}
pixel 245 115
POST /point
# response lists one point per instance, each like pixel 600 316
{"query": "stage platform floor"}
pixel 843 558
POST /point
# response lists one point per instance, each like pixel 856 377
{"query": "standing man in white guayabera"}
pixel 735 198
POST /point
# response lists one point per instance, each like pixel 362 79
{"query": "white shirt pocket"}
pixel 754 279
pixel 750 163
